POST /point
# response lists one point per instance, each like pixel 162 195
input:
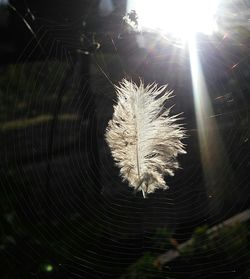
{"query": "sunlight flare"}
pixel 181 18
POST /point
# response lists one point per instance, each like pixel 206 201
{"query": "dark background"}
pixel 64 211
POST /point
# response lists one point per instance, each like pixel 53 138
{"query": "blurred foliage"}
pixel 221 249
pixel 161 240
pixel 143 268
pixel 30 249
pixel 27 89
pixel 199 243
pixel 227 243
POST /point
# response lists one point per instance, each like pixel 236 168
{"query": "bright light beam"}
pixel 213 156
pixel 181 18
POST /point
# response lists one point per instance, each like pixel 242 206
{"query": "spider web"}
pixel 65 209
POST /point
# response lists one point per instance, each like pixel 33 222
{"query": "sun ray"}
pixel 213 156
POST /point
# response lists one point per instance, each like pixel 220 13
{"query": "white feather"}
pixel 143 138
